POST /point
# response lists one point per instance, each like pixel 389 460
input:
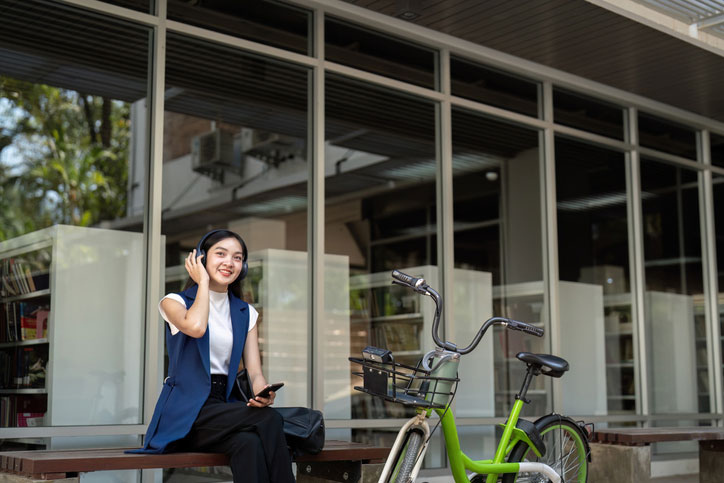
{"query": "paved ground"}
pixel 676 479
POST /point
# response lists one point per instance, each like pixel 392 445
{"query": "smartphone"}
pixel 269 388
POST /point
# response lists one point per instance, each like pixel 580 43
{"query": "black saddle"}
pixel 548 364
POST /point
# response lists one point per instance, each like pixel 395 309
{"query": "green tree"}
pixel 69 159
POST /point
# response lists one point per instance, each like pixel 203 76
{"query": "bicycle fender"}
pixel 543 420
pixel 528 432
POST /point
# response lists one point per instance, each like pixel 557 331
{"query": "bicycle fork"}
pixel 417 422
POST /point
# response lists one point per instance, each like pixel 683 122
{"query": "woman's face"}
pixel 223 263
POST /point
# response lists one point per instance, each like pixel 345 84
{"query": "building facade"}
pixel 343 143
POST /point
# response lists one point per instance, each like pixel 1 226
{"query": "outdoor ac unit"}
pixel 213 153
pixel 270 147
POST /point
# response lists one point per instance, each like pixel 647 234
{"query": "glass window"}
pixel 678 376
pixel 595 290
pixel 265 21
pixel 235 157
pixel 72 266
pixel 498 265
pixel 145 6
pixel 491 86
pixel 379 53
pixel 717 149
pixel 583 112
pixel 379 215
pixel 667 136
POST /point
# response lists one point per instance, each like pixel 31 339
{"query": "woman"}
pixel 210 330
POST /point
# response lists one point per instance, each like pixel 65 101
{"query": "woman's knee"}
pixel 246 441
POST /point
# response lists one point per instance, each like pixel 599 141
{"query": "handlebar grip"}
pixel 525 327
pixel 407 279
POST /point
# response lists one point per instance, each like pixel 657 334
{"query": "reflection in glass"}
pixel 380 214
pixel 666 136
pixel 145 6
pixel 675 325
pixel 71 268
pixel 235 157
pixel 265 21
pixel 491 86
pixel 498 265
pixel 719 244
pixel 583 112
pixel 372 51
pixel 595 295
pixel 717 149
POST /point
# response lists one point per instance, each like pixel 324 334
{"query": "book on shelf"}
pixel 23 367
pixel 21 277
pixel 23 410
pixel 21 321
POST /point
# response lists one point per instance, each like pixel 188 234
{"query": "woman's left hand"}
pixel 260 402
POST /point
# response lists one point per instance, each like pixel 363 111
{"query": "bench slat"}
pixel 642 436
pixel 101 459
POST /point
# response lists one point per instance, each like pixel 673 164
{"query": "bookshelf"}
pixel 620 367
pixel 71 318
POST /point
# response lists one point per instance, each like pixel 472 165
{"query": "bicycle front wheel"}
pixel 406 458
pixel 565 452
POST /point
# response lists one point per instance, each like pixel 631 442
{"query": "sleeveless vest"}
pixel 188 383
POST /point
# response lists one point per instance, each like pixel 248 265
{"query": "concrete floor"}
pixel 676 479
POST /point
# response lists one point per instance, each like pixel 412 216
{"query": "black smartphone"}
pixel 269 388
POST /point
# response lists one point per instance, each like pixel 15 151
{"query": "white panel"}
pixel 97 321
pixel 283 333
pixel 582 345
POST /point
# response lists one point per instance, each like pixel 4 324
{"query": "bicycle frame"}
pixel 460 463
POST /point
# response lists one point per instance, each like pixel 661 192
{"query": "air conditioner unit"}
pixel 212 153
pixel 270 147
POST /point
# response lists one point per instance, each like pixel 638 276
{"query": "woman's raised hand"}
pixel 196 269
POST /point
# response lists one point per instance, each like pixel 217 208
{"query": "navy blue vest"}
pixel 189 377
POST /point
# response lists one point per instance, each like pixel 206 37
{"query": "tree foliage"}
pixel 64 157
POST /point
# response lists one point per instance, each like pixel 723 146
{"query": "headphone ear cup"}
pixel 244 269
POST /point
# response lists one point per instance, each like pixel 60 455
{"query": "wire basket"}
pixel 403 384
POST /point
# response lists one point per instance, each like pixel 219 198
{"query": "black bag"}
pixel 303 427
pixel 242 386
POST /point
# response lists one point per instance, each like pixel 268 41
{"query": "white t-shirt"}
pixel 221 335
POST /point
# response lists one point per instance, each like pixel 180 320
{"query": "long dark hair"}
pixel 235 286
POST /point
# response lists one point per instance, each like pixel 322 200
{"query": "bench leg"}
pixel 341 471
pixel 711 460
pixel 612 463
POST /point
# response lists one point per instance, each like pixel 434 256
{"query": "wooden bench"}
pixel 624 454
pixel 339 461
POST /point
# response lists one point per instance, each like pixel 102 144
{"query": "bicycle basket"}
pixel 403 384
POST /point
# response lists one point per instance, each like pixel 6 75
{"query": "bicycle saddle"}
pixel 548 364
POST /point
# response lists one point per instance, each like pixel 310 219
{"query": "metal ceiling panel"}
pixel 580 38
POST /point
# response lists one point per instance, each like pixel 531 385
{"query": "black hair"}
pixel 213 239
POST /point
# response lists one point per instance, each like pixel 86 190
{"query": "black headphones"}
pixel 200 251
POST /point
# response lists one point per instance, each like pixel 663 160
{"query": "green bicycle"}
pixel 553 448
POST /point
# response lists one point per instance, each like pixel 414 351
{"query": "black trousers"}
pixel 252 437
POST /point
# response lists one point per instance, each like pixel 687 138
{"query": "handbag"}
pixel 242 386
pixel 303 427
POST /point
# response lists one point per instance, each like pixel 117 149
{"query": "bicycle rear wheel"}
pixel 406 458
pixel 566 452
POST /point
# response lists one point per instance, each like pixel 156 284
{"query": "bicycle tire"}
pixel 566 452
pixel 407 458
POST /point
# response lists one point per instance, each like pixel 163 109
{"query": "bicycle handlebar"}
pixel 419 285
